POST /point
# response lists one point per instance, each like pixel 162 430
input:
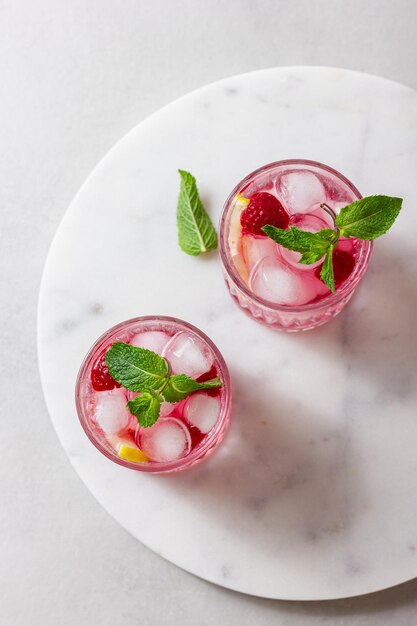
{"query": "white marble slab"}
pixel 313 493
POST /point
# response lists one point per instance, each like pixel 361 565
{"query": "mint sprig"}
pixel 149 374
pixel 196 232
pixel 312 246
pixel 180 386
pixel 365 219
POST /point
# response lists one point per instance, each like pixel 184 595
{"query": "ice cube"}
pixel 188 355
pixel 277 283
pixel 167 408
pixel 154 340
pixel 167 440
pixel 301 190
pixel 111 413
pixel 326 219
pixel 310 223
pixel 202 411
pixel 255 248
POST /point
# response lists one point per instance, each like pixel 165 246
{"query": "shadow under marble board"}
pixel 312 495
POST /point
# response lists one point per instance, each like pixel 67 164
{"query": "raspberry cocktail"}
pixel 266 279
pixel 187 429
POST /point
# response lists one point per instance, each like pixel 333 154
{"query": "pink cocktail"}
pixel 266 279
pixel 186 431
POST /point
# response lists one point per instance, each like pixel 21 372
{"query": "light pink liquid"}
pixel 186 431
pixel 266 279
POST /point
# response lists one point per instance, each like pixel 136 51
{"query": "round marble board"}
pixel 313 493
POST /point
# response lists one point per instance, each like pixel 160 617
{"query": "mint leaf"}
pixel 196 233
pixel 312 246
pixel 326 273
pixel 310 257
pixel 368 218
pixel 145 408
pixel 136 369
pixel 180 386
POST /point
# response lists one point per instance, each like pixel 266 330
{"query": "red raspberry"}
pixel 263 209
pixel 100 375
pixel 343 265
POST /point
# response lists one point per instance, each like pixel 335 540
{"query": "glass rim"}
pixel 201 450
pixel 228 265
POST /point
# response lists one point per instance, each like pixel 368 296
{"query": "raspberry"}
pixel 263 209
pixel 343 265
pixel 100 375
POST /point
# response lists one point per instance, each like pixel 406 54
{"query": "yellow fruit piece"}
pixel 235 234
pixel 131 454
pixel 241 200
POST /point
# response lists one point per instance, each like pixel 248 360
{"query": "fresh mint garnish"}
pixel 149 374
pixel 368 218
pixel 180 386
pixel 145 408
pixel 136 369
pixel 196 232
pixel 365 219
pixel 312 246
pixel 327 274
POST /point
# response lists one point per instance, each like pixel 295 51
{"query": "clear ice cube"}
pixel 301 190
pixel 167 440
pixel 202 411
pixel 272 280
pixel 110 413
pixel 188 355
pixel 255 248
pixel 154 340
pixel 166 408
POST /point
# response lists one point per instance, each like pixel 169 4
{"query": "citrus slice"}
pixel 129 453
pixel 235 235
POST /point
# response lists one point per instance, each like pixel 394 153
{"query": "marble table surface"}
pixel 318 474
pixel 76 77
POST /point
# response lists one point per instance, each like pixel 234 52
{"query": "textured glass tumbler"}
pixel 287 317
pixel 85 394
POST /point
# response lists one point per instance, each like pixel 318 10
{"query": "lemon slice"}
pixel 129 453
pixel 241 201
pixel 235 234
